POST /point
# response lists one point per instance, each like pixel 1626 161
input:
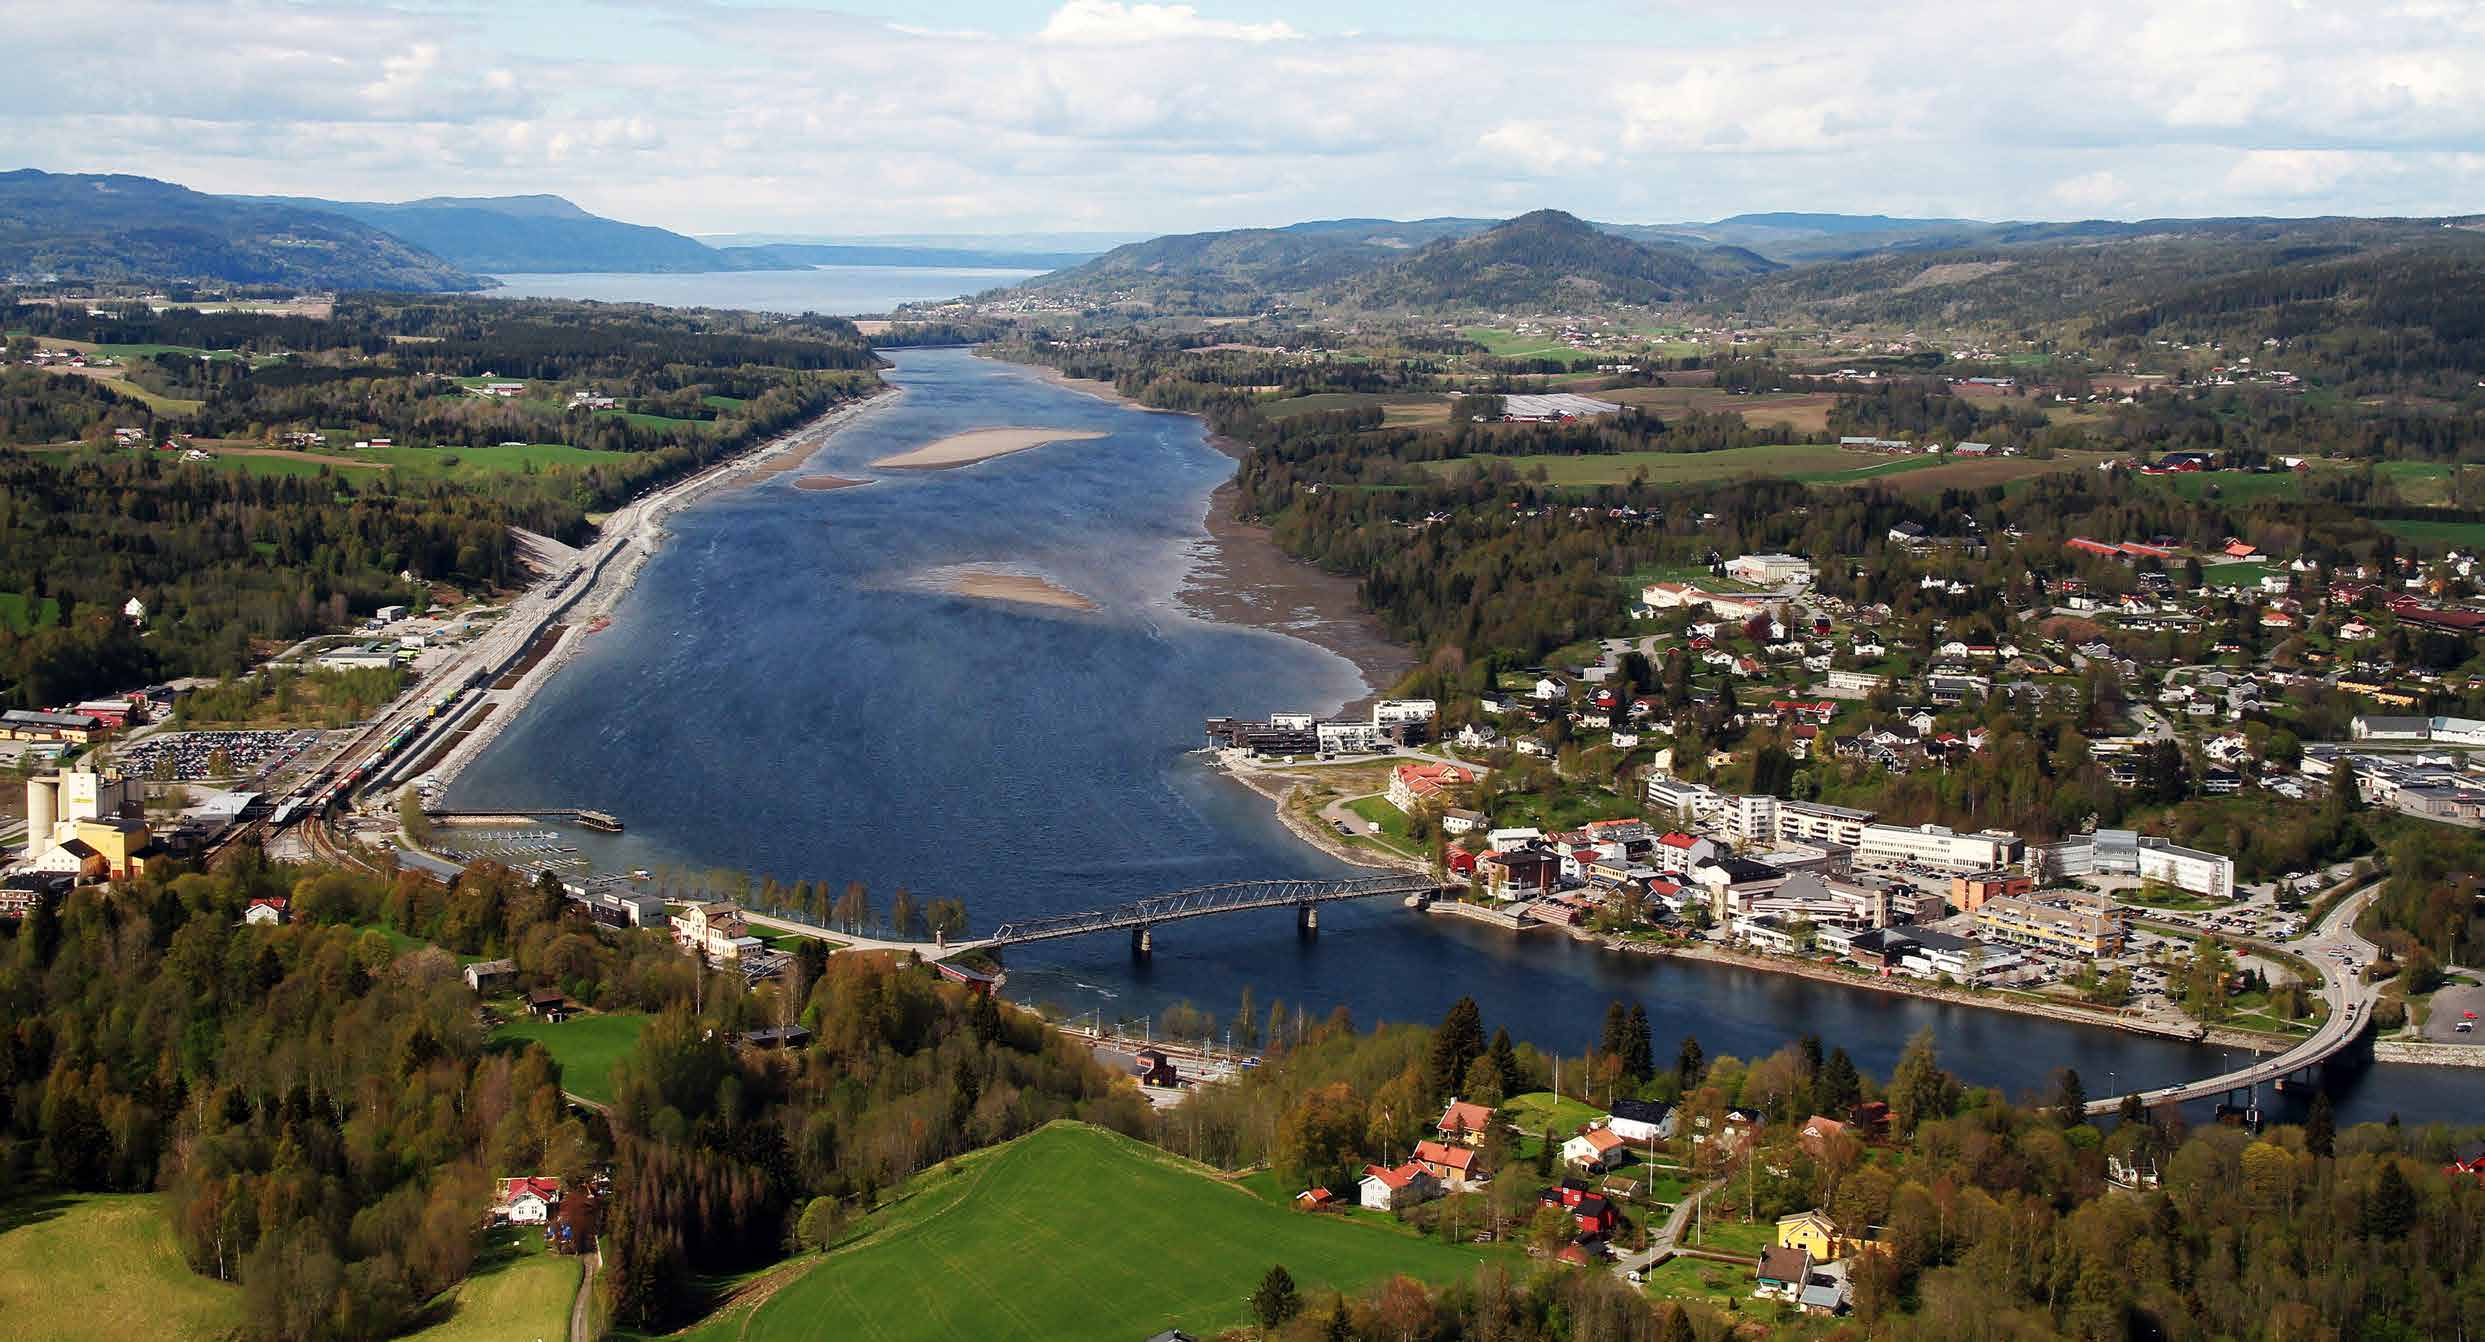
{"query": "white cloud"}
pixel 2090 191
pixel 711 116
pixel 1108 21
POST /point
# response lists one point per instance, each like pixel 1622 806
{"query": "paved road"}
pixel 2350 1000
pixel 1668 1238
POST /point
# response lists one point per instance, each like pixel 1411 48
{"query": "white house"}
pixel 528 1201
pixel 1595 1149
pixel 1391 1189
pixel 1642 1121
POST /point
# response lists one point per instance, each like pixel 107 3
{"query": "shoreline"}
pixel 616 570
pixel 1245 580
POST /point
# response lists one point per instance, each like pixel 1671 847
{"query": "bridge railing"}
pixel 1203 900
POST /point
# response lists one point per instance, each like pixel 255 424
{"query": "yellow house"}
pixel 1813 1232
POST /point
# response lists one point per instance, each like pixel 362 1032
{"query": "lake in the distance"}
pixel 839 291
pixel 787 690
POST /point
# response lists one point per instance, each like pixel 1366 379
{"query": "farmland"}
pixel 1396 409
pixel 585 1046
pixel 1803 412
pixel 105 1268
pixel 1816 462
pixel 2461 535
pixel 1071 1231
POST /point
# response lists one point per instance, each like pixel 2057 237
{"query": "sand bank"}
pixel 822 482
pixel 1024 588
pixel 964 449
pixel 628 539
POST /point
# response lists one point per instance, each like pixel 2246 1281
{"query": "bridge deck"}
pixel 1231 897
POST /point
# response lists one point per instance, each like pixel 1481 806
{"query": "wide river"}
pixel 789 689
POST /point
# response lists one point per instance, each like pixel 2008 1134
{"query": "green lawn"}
pixel 1534 1111
pixel 1728 1235
pixel 2234 575
pixel 1392 821
pixel 106 1268
pixel 1073 1231
pixel 585 1046
pixel 23 614
pixel 2229 486
pixel 656 421
pixel 518 1291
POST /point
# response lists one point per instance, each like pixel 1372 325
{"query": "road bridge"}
pixel 2338 954
pixel 1140 917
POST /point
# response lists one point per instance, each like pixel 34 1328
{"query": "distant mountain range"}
pixel 96 228
pixel 117 229
pixel 1544 259
pixel 515 234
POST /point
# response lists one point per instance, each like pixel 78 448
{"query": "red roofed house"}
pixel 1455 1166
pixel 1464 1122
pixel 1387 1190
pixel 2240 550
pixel 2468 1160
pixel 265 911
pixel 527 1201
pixel 1411 785
pixel 1804 710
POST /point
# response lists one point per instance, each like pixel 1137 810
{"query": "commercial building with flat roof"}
pixel 2076 929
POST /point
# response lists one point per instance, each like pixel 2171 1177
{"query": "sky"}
pixel 988 116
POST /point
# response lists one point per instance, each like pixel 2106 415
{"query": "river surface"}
pixel 839 291
pixel 787 690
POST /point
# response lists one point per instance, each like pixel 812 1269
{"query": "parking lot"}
pixel 2457 1009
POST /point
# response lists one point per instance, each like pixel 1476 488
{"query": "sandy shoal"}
pixel 962 449
pixel 822 482
pixel 1025 589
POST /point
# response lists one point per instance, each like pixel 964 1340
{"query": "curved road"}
pixel 2350 1000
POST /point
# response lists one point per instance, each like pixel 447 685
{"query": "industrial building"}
pixel 1769 570
pixel 1553 408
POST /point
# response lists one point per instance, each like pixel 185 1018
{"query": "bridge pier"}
pixel 1142 941
pixel 1307 920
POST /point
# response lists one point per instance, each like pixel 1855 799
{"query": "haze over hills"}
pixel 109 228
pixel 520 234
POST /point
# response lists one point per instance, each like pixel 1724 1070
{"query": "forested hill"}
pixel 1547 259
pixel 2395 300
pixel 1544 258
pixel 520 234
pixel 1236 269
pixel 112 228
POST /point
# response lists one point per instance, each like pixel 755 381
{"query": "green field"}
pixel 104 1267
pixel 2234 575
pixel 585 1046
pixel 2459 535
pixel 1824 463
pixel 496 460
pixel 25 615
pixel 518 1290
pixel 1073 1231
